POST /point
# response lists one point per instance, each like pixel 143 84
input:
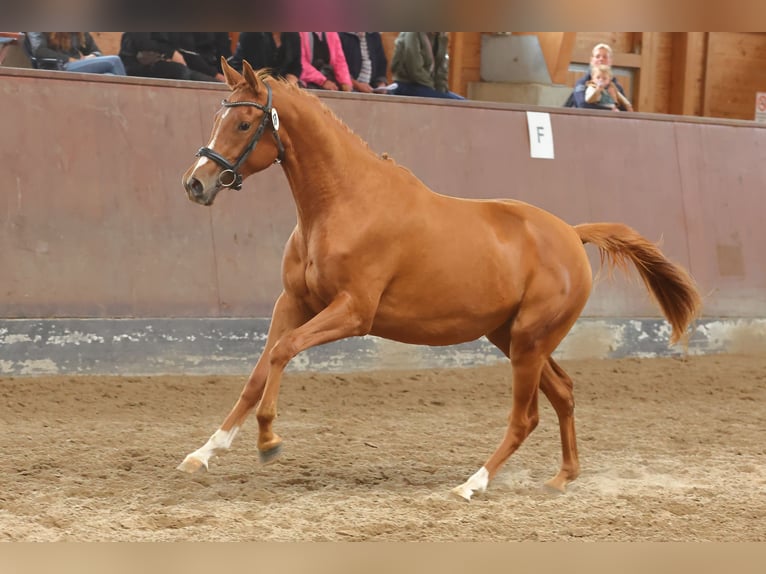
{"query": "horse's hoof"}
pixel 556 485
pixel 462 492
pixel 192 464
pixel 477 483
pixel 270 455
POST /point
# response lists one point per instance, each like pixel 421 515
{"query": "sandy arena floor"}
pixel 671 450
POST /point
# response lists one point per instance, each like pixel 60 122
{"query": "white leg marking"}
pixel 220 440
pixel 477 483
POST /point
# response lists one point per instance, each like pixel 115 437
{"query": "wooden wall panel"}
pixel 735 70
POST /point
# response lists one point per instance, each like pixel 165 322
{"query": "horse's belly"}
pixel 441 329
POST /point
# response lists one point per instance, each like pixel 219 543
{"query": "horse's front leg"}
pixel 287 315
pixel 346 316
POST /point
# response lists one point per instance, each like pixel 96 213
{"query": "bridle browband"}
pixel 230 177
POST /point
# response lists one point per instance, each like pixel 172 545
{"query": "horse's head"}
pixel 237 147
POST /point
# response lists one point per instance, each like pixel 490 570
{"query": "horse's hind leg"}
pixel 521 422
pixel 523 419
pixel 529 341
pixel 286 316
pixel 557 386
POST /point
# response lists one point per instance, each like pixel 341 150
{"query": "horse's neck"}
pixel 324 151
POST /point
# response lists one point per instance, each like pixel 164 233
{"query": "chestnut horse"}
pixel 377 252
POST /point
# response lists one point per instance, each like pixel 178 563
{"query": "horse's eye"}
pixel 244 126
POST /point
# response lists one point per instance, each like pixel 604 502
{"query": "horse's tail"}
pixel 669 283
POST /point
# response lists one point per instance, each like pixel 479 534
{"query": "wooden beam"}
pixel 688 73
pixel 557 48
pixel 645 100
pixel 389 39
pixel 678 75
pixel 455 50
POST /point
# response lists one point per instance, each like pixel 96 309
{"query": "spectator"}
pixel 366 60
pixel 77 52
pixel 323 62
pixel 157 55
pixel 601 55
pixel 420 65
pixel 601 91
pixel 280 52
pixel 202 51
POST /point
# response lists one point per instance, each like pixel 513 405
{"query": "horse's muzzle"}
pixel 196 192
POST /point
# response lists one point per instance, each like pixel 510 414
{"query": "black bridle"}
pixel 230 177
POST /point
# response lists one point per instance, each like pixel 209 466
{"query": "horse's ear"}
pixel 232 76
pixel 251 77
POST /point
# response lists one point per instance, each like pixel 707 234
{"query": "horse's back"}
pixel 512 221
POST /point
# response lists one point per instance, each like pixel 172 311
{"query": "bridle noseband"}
pixel 230 177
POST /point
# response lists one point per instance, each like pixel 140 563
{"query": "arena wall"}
pixel 94 222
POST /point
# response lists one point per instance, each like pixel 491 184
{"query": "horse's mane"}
pixel 326 111
pixel 265 76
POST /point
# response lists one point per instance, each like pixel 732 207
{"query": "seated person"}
pixel 157 55
pixel 75 51
pixel 601 55
pixel 280 52
pixel 366 60
pixel 601 91
pixel 323 63
pixel 202 51
pixel 420 65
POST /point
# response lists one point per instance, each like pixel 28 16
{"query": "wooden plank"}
pixel 679 57
pixel 456 58
pixel 644 100
pixel 688 61
pixel 663 71
pixel 471 50
pixel 388 39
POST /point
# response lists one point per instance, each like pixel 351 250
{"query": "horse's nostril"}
pixel 195 187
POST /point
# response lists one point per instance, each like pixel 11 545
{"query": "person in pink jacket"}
pixel 323 62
